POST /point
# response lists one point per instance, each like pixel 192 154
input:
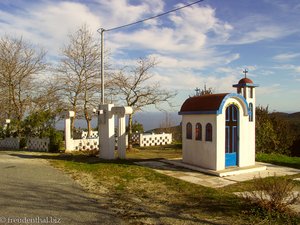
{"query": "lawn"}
pixel 140 195
pixel 278 159
pixel 155 152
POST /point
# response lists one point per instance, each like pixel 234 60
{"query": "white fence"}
pixel 10 143
pixel 154 139
pixel 85 144
pixel 38 144
pixel 143 140
pixel 94 134
pixel 83 134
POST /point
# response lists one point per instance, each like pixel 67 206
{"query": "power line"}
pixel 101 31
pixel 153 17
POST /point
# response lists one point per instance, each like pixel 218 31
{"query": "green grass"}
pixel 278 159
pixel 155 152
pixel 142 196
pixel 153 196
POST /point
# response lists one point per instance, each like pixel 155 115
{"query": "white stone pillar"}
pixel 106 126
pixel 68 137
pixel 122 137
pixel 121 112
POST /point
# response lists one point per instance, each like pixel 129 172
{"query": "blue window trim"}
pixel 250 112
pixel 232 95
pixel 227 139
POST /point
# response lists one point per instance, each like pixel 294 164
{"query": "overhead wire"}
pixel 152 17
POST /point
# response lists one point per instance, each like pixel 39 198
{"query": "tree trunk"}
pixel 130 131
pixel 73 122
pixel 88 122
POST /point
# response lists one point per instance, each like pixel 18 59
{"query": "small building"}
pixel 218 130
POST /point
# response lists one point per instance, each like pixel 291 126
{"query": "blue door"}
pixel 231 136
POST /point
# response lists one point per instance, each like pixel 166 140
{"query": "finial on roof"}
pixel 245 72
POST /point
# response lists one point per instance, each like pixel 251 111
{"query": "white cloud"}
pixel 291 67
pixel 297 69
pixel 115 13
pixel 286 56
pixel 268 90
pixel 260 33
pixel 48 24
pixel 187 42
pixel 192 30
pixel 187 80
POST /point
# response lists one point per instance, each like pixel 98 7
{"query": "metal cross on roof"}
pixel 197 90
pixel 245 72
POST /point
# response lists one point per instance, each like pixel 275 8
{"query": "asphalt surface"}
pixel 33 192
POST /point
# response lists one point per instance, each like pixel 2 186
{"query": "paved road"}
pixel 30 189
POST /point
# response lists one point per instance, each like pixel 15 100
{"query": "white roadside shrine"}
pixel 218 130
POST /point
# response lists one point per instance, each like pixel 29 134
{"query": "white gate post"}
pixel 121 112
pixel 122 137
pixel 106 126
pixel 68 138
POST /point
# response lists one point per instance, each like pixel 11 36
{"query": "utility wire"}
pixel 152 17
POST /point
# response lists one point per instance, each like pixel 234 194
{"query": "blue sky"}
pixel 209 43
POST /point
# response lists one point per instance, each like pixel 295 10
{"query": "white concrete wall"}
pixel 10 143
pixel 94 134
pixel 199 153
pixel 249 158
pixel 154 139
pixel 85 144
pixel 38 144
pixel 135 137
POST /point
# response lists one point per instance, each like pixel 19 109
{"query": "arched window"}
pixel 251 112
pixel 208 132
pixel 198 130
pixel 189 131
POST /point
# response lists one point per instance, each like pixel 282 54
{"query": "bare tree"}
pixel 78 73
pixel 19 64
pixel 47 98
pixel 137 89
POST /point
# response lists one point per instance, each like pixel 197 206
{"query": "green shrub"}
pixel 273 133
pixel 23 142
pixel 56 140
